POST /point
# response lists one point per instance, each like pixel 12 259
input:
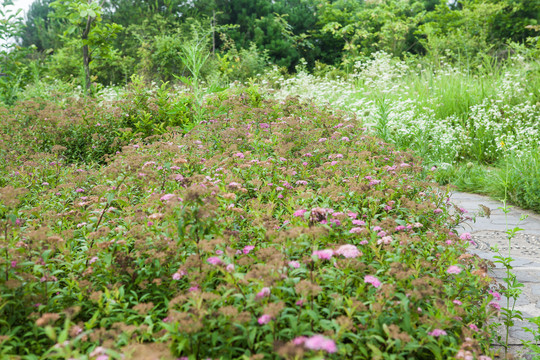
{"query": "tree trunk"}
pixel 213 32
pixel 86 64
pixel 86 56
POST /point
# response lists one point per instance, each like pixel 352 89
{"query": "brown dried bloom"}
pixel 47 319
pixel 394 332
pixel 307 288
pixel 143 308
pixel 273 309
pixel 229 311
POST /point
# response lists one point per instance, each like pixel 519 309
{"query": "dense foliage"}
pixel 270 230
pixel 144 37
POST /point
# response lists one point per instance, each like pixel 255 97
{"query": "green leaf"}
pixel 49 331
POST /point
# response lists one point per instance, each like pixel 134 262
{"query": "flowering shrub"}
pixel 446 115
pixel 279 231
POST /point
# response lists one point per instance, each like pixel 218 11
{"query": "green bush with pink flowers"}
pixel 271 230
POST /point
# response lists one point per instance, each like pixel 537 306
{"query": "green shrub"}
pixel 146 111
pixel 242 65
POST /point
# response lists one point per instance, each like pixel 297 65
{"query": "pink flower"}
pixel 263 293
pixel 473 327
pixel 465 236
pixel 265 319
pixel 319 342
pixel 457 302
pixel 495 294
pixel 247 249
pixel 167 197
pixel 495 305
pixel 230 267
pixel 79 190
pixel 300 340
pixel 437 211
pixel 239 155
pixel 13 264
pixel 294 264
pixel 176 276
pixel 385 240
pixel 369 279
pixel 356 230
pixel 377 228
pixel 484 357
pixel 349 251
pixel 214 260
pixel 437 332
pixel 93 260
pixel 301 182
pixel 324 254
pixel 454 269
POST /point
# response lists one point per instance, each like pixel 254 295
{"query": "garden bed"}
pixel 270 230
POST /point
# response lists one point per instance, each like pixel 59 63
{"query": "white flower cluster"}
pixel 445 115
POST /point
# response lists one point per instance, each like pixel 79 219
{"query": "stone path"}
pixel 490 231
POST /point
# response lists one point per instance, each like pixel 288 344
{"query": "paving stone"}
pixel 518 332
pixel 525 249
pixel 521 300
pixel 523 276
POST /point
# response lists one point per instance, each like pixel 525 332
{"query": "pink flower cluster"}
pixel 348 251
pixel 264 319
pixel 324 254
pixel 265 291
pixel 437 333
pixel 317 343
pixel 299 213
pixel 454 269
pixel 370 279
pixel 214 260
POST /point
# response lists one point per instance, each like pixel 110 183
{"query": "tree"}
pixel 40 29
pixel 85 20
pixel 12 56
